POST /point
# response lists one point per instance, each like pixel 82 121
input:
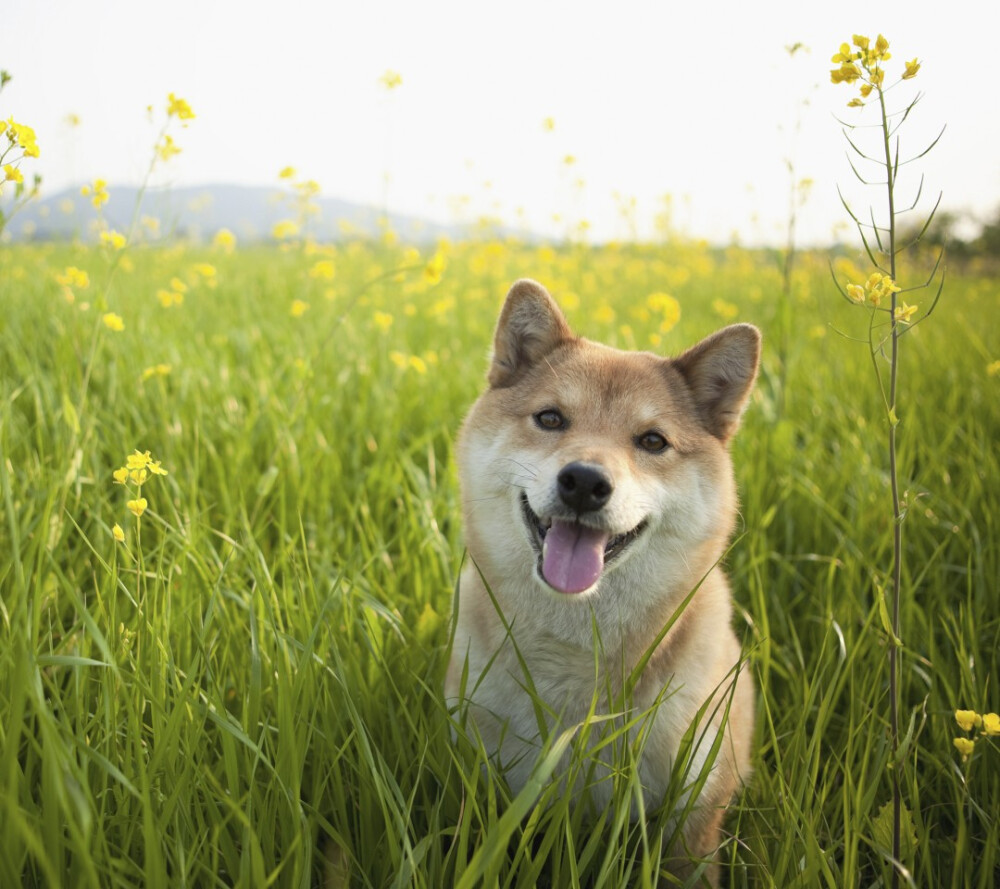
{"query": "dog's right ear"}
pixel 530 326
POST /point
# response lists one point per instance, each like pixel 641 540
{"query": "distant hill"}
pixel 198 212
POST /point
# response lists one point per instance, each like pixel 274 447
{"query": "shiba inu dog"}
pixel 598 499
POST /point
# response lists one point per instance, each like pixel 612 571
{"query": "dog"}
pixel 598 500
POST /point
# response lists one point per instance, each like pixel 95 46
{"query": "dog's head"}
pixel 578 457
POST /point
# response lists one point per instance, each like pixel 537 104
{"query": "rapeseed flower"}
pixel 383 320
pixel 179 108
pixel 157 370
pixel 904 313
pixel 137 506
pixel 115 240
pixel 12 174
pixel 98 193
pixel 299 308
pixel 167 148
pixel 224 240
pixel 391 80
pixel 864 61
pixel 21 135
pixel 323 270
pixel 667 308
pixel 434 269
pixel 113 322
pixel 118 533
pixel 73 277
pixel 285 229
pixel 169 298
pixel 991 724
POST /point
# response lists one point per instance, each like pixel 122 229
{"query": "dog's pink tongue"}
pixel 573 556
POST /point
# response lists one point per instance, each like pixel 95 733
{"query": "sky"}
pixel 648 99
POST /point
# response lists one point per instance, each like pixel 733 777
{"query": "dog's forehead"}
pixel 610 382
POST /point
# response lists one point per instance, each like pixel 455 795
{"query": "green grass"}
pixel 262 694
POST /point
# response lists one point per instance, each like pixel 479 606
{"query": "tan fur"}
pixel 683 499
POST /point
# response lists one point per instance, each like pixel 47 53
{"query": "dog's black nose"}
pixel 584 487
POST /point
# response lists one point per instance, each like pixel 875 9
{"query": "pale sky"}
pixel 650 98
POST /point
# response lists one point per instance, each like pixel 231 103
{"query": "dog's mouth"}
pixel 572 555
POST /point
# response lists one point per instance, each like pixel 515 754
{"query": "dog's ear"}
pixel 721 370
pixel 530 326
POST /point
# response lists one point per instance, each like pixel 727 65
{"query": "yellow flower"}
pixel 138 459
pixel 725 310
pixel 12 174
pixel 167 148
pixel 991 724
pixel 178 108
pixel 21 134
pixel 113 322
pixel 866 90
pixel 224 240
pixel 856 292
pixel 418 364
pixel 98 192
pixel 604 314
pixel 120 476
pixel 137 506
pixel 118 533
pixel 299 308
pixel 569 160
pixel 204 270
pixel 548 124
pixel 904 313
pixel 434 269
pixel 169 298
pixel 383 320
pixel 73 277
pixel 157 370
pixel 154 465
pixel 323 270
pixel 115 240
pixel 391 79
pixel 846 73
pixel 912 67
pixel 877 76
pixel 968 719
pixel 399 359
pixel 287 173
pixel 668 307
pixel 993 368
pixel 855 103
pixel 964 746
pixel 284 229
pixel 844 55
pixel 138 476
pixel 860 41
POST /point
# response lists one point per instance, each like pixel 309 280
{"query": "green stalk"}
pixel 897 528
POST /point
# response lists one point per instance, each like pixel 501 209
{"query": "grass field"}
pixel 247 690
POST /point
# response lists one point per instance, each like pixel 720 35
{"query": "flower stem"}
pixel 897 529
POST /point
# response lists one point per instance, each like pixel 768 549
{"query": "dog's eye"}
pixel 652 442
pixel 550 419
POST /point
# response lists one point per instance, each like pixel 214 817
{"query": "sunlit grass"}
pixel 266 695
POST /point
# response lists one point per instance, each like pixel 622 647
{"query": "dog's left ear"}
pixel 721 370
pixel 530 326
